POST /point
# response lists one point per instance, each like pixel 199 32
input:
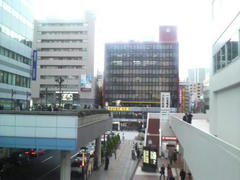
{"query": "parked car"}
pixel 18 158
pixel 79 163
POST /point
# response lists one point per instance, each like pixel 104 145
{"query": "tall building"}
pixel 136 73
pixel 225 79
pixel 65 61
pixel 16 35
pixel 197 75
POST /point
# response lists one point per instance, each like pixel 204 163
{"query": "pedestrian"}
pixel 189 176
pixel 138 153
pixel 136 146
pixel 175 156
pixel 169 172
pixel 182 174
pixel 166 154
pixel 106 163
pixel 189 117
pixel 123 137
pixel 115 153
pixel 170 156
pixel 185 117
pixel 162 172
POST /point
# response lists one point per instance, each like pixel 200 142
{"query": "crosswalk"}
pixel 175 172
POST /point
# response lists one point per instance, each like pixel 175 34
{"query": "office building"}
pixel 137 72
pixel 16 35
pixel 65 61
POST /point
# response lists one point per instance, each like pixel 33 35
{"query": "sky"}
pixel 139 20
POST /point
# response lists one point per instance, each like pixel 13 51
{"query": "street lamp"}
pixel 27 95
pixel 46 94
pixel 12 94
pixel 60 80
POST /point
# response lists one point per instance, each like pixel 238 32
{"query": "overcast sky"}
pixel 139 20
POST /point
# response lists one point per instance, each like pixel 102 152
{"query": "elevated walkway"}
pixel 51 130
pixel 207 156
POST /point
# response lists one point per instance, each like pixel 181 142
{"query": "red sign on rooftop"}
pixel 169 138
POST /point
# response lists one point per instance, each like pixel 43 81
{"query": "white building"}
pixel 65 50
pixel 225 79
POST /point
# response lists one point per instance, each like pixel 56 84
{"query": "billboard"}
pixel 34 66
pixel 86 82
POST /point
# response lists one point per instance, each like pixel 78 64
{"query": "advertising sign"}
pixel 165 100
pixel 180 95
pixel 149 159
pixel 153 157
pixel 86 82
pixel 165 105
pixel 169 138
pixel 117 108
pixel 146 156
pixel 67 97
pixel 34 66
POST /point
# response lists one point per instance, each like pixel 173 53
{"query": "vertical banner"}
pixel 165 105
pixel 34 66
pixel 183 99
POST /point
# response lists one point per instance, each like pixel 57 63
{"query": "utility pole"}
pixel 12 103
pixel 46 94
pixel 41 97
pixel 28 94
pixel 60 80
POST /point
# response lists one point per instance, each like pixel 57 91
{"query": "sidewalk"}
pixel 121 168
pixel 176 168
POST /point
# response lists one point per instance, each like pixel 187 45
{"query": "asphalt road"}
pixel 47 166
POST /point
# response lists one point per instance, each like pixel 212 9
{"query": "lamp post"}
pixel 12 103
pixel 60 80
pixel 46 94
pixel 28 94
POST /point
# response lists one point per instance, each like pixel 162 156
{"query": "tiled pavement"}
pixel 175 167
pixel 121 168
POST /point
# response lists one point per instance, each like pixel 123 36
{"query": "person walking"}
pixel 169 172
pixel 162 172
pixel 138 153
pixel 185 117
pixel 175 156
pixel 189 117
pixel 115 152
pixel 182 174
pixel 106 163
pixel 189 176
pixel 170 156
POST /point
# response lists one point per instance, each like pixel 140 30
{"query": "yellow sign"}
pixel 146 156
pixel 118 108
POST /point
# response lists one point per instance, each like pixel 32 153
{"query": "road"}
pixel 47 166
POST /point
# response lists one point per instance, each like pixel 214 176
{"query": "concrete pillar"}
pixel 98 151
pixel 65 169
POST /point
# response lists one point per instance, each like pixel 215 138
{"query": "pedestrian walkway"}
pixel 121 168
pixel 175 167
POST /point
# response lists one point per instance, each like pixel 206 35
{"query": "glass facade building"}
pixel 16 35
pixel 137 73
